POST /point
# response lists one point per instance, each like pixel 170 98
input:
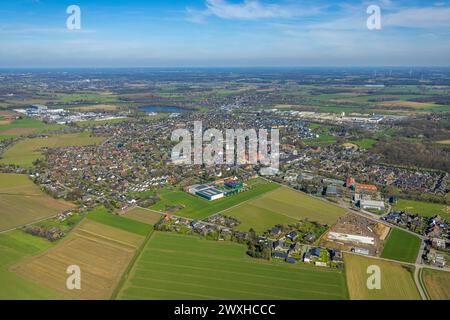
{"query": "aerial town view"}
pixel 241 150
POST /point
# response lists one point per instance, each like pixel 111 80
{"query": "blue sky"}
pixel 176 33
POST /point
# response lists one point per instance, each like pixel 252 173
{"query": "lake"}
pixel 171 109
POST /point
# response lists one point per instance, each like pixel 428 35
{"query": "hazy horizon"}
pixel 224 33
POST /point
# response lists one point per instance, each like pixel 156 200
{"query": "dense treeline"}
pixel 425 128
pixel 404 152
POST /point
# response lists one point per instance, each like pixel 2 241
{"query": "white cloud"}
pixel 429 17
pixel 248 10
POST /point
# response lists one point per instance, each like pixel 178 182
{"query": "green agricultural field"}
pixel 425 209
pixel 26 126
pixel 198 208
pixel 401 246
pixel 283 206
pixel 102 215
pixel 24 152
pixel 365 143
pixel 14 247
pixel 397 281
pixel 22 202
pixel 174 266
pixel 437 283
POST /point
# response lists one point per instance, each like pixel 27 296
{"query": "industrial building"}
pixel 206 191
pixel 371 204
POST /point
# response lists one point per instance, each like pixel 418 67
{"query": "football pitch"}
pixel 174 266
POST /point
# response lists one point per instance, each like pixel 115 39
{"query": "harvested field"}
pixel 143 215
pixel 102 253
pixel 22 202
pixel 19 131
pixel 397 282
pixel 437 283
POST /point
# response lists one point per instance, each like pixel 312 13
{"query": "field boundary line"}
pixel 130 266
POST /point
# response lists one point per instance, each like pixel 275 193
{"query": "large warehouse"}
pixel 205 191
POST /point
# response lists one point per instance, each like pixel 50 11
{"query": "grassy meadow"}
pixel 283 206
pixel 425 209
pixel 25 152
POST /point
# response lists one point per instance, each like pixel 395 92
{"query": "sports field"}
pixel 397 282
pixel 437 283
pixel 283 206
pixel 401 246
pixel 22 202
pixel 102 252
pixel 143 215
pixel 24 152
pixel 426 209
pixel 198 208
pixel 15 246
pixel 174 266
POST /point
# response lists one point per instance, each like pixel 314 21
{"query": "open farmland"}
pixel 102 252
pixel 173 266
pixel 401 246
pixel 24 152
pixel 437 283
pixel 15 246
pixel 102 215
pixel 283 206
pixel 13 128
pixel 425 209
pixel 397 281
pixel 198 208
pixel 143 215
pixel 22 202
